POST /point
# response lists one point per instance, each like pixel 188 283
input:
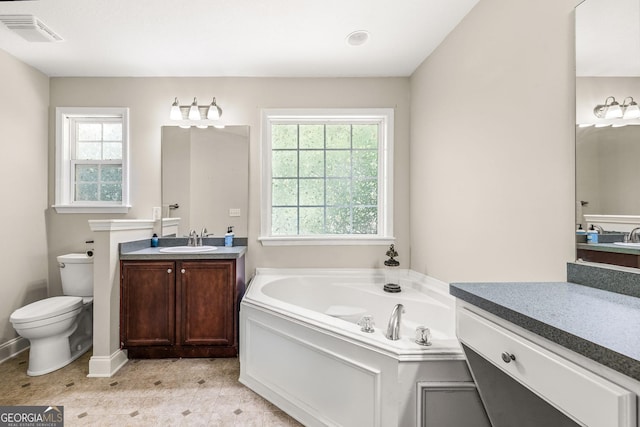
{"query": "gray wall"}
pixel 492 146
pixel 23 172
pixel 149 101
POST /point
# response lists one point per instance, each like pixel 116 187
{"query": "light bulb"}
pixel 175 113
pixel 632 111
pixel 214 111
pixel 194 112
pixel 613 111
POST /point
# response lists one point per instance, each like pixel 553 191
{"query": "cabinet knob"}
pixel 169 270
pixel 507 357
pixel 183 271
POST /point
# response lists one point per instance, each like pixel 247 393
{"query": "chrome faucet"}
pixel 393 330
pixel 193 238
pixel 599 229
pixel 634 236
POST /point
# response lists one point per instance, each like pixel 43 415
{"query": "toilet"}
pixel 60 329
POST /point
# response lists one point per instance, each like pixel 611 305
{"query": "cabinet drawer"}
pixel 587 398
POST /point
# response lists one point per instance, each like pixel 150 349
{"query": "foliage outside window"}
pixel 327 176
pixel 91 162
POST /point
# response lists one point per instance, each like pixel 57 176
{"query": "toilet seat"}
pixel 46 309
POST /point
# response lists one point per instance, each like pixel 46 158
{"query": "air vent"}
pixel 30 28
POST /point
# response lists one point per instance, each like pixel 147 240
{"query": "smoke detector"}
pixel 30 28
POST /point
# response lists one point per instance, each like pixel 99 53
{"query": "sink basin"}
pixel 629 244
pixel 187 249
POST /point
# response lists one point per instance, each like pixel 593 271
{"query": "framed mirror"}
pixel 205 180
pixel 607 145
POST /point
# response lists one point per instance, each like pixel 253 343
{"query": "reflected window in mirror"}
pixel 327 176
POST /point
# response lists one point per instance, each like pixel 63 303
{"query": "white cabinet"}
pixel 585 397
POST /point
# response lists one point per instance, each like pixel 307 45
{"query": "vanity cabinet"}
pixel 180 308
pixel 575 396
pixel 615 258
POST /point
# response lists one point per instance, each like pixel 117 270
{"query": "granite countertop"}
pixel 141 250
pixel 595 323
pixel 223 252
pixel 609 247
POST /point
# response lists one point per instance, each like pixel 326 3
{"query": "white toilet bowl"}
pixel 59 329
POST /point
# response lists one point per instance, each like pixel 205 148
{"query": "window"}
pixel 91 160
pixel 327 176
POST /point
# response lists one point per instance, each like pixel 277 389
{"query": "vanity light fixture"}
pixel 195 112
pixel 611 109
pixel 214 111
pixel 608 110
pixel 175 113
pixel 631 110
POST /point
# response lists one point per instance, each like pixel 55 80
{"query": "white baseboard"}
pixel 12 348
pixel 106 366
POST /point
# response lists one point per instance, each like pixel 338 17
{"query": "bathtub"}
pixel 302 349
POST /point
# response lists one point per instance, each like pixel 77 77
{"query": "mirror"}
pixel 205 180
pixel 607 150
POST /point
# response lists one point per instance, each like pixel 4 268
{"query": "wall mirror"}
pixel 607 150
pixel 205 180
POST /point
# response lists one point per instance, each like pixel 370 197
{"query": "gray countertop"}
pixel 147 254
pixel 599 324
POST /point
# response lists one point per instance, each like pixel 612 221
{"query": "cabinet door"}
pixel 206 303
pixel 148 303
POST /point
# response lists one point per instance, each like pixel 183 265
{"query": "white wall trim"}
pixel 13 347
pixel 120 224
pixel 613 219
pixel 106 366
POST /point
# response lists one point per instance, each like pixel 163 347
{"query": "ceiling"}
pixel 285 38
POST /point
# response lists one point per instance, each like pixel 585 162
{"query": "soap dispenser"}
pixel 228 238
pixel 592 235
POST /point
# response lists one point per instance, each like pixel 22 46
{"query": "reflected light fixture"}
pixel 608 110
pixel 631 110
pixel 195 112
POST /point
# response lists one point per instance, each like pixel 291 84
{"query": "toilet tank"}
pixel 76 272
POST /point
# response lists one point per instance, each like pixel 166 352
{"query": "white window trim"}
pixel 385 178
pixel 63 191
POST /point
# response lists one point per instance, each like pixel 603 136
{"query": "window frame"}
pixel 64 174
pixel 385 117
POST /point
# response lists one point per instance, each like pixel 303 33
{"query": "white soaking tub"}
pixel 302 349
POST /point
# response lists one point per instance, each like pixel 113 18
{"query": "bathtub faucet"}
pixel 393 330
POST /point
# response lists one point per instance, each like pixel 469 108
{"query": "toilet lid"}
pixel 46 308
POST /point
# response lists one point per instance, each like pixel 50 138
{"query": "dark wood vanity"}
pixel 608 254
pixel 180 307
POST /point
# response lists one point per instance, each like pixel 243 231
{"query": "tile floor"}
pixel 160 392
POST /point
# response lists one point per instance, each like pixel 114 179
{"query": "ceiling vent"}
pixel 30 28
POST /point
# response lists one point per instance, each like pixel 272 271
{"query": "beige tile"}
pixel 167 392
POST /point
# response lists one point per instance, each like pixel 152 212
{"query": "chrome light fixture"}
pixel 608 110
pixel 214 111
pixel 631 110
pixel 175 113
pixel 195 112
